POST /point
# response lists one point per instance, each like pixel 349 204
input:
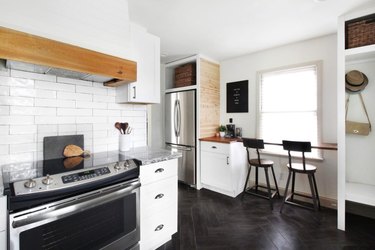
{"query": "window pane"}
pixel 289 107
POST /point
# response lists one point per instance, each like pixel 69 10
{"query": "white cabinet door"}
pixel 147 55
pixel 216 170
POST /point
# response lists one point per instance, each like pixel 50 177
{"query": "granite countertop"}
pixel 149 155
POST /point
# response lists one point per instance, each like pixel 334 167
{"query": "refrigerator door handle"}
pixel 178 118
pixel 180 147
pixel 175 120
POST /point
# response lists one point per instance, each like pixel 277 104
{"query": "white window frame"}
pixel 319 66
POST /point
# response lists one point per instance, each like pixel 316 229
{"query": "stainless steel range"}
pixel 88 206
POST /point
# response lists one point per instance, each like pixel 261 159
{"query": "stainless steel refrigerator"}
pixel 181 131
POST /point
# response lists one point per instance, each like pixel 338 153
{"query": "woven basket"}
pixel 360 32
pixel 185 75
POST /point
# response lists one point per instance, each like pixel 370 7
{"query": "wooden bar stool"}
pixel 259 163
pixel 300 168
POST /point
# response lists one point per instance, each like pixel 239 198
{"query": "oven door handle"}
pixel 64 208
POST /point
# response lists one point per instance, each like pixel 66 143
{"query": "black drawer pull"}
pixel 159 170
pixel 160 227
pixel 159 196
pixel 213 147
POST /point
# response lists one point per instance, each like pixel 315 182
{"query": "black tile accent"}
pixel 208 220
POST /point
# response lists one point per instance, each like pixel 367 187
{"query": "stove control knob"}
pixel 48 180
pixel 30 183
pixel 117 166
pixel 126 164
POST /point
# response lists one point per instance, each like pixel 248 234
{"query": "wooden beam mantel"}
pixel 20 46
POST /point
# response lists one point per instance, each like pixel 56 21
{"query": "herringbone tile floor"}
pixel 208 220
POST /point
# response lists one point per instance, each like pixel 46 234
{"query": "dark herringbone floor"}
pixel 208 220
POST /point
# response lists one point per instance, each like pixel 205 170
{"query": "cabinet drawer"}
pixel 215 147
pixel 158 171
pixel 158 229
pixel 158 196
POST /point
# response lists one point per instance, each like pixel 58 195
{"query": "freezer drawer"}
pixel 186 163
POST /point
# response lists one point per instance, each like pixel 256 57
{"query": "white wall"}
pixel 93 24
pixel 360 163
pixel 33 106
pixel 246 68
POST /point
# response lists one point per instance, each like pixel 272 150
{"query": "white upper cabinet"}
pixel 146 52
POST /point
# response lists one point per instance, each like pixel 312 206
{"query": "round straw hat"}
pixel 355 81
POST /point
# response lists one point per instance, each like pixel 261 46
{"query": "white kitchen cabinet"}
pixel 146 52
pixel 354 161
pixel 158 217
pixel 223 167
pixel 3 222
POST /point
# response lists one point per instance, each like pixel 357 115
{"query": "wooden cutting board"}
pixel 74 150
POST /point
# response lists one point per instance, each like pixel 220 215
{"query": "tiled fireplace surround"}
pixel 33 106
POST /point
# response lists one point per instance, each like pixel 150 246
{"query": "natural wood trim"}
pixel 20 46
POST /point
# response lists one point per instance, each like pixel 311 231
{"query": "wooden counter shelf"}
pixel 323 146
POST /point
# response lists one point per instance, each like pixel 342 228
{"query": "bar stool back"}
pixel 301 168
pixel 259 163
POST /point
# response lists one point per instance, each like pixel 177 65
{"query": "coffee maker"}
pixel 231 130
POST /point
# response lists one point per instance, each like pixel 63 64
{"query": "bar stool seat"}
pixel 259 163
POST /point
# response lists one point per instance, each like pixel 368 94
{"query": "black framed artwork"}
pixel 238 97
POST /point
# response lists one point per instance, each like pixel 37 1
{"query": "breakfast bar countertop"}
pixel 325 146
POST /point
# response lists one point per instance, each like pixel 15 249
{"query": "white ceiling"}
pixel 221 29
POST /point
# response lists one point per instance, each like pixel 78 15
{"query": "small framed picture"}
pixel 238 97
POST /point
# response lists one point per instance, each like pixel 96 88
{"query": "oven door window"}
pixel 93 228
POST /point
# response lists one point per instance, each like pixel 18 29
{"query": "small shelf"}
pixel 360 53
pixel 360 193
pixel 181 89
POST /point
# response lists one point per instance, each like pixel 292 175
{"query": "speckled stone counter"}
pixel 151 155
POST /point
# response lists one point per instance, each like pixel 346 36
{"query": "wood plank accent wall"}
pixel 29 48
pixel 209 98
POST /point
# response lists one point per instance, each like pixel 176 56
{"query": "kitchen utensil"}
pixel 123 127
pixel 126 126
pixel 118 126
pixel 129 130
pixel 74 150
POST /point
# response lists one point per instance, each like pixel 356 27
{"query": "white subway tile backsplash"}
pixel 91 90
pixel 55 86
pixel 73 81
pixel 91 119
pixel 103 98
pixel 42 105
pixel 106 112
pixel 23 148
pixel 117 106
pixel 16 82
pixel 111 91
pixel 18 110
pixel 74 112
pixel 4 110
pixel 74 96
pixel 54 103
pixel 47 128
pixel 23 129
pixel 5 120
pixel 17 101
pixel 4 149
pixel 4 90
pixel 4 129
pixel 16 158
pixel 67 128
pixel 84 127
pixel 5 72
pixel 91 105
pixel 30 75
pixel 16 139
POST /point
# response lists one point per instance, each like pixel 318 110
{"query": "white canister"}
pixel 125 142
